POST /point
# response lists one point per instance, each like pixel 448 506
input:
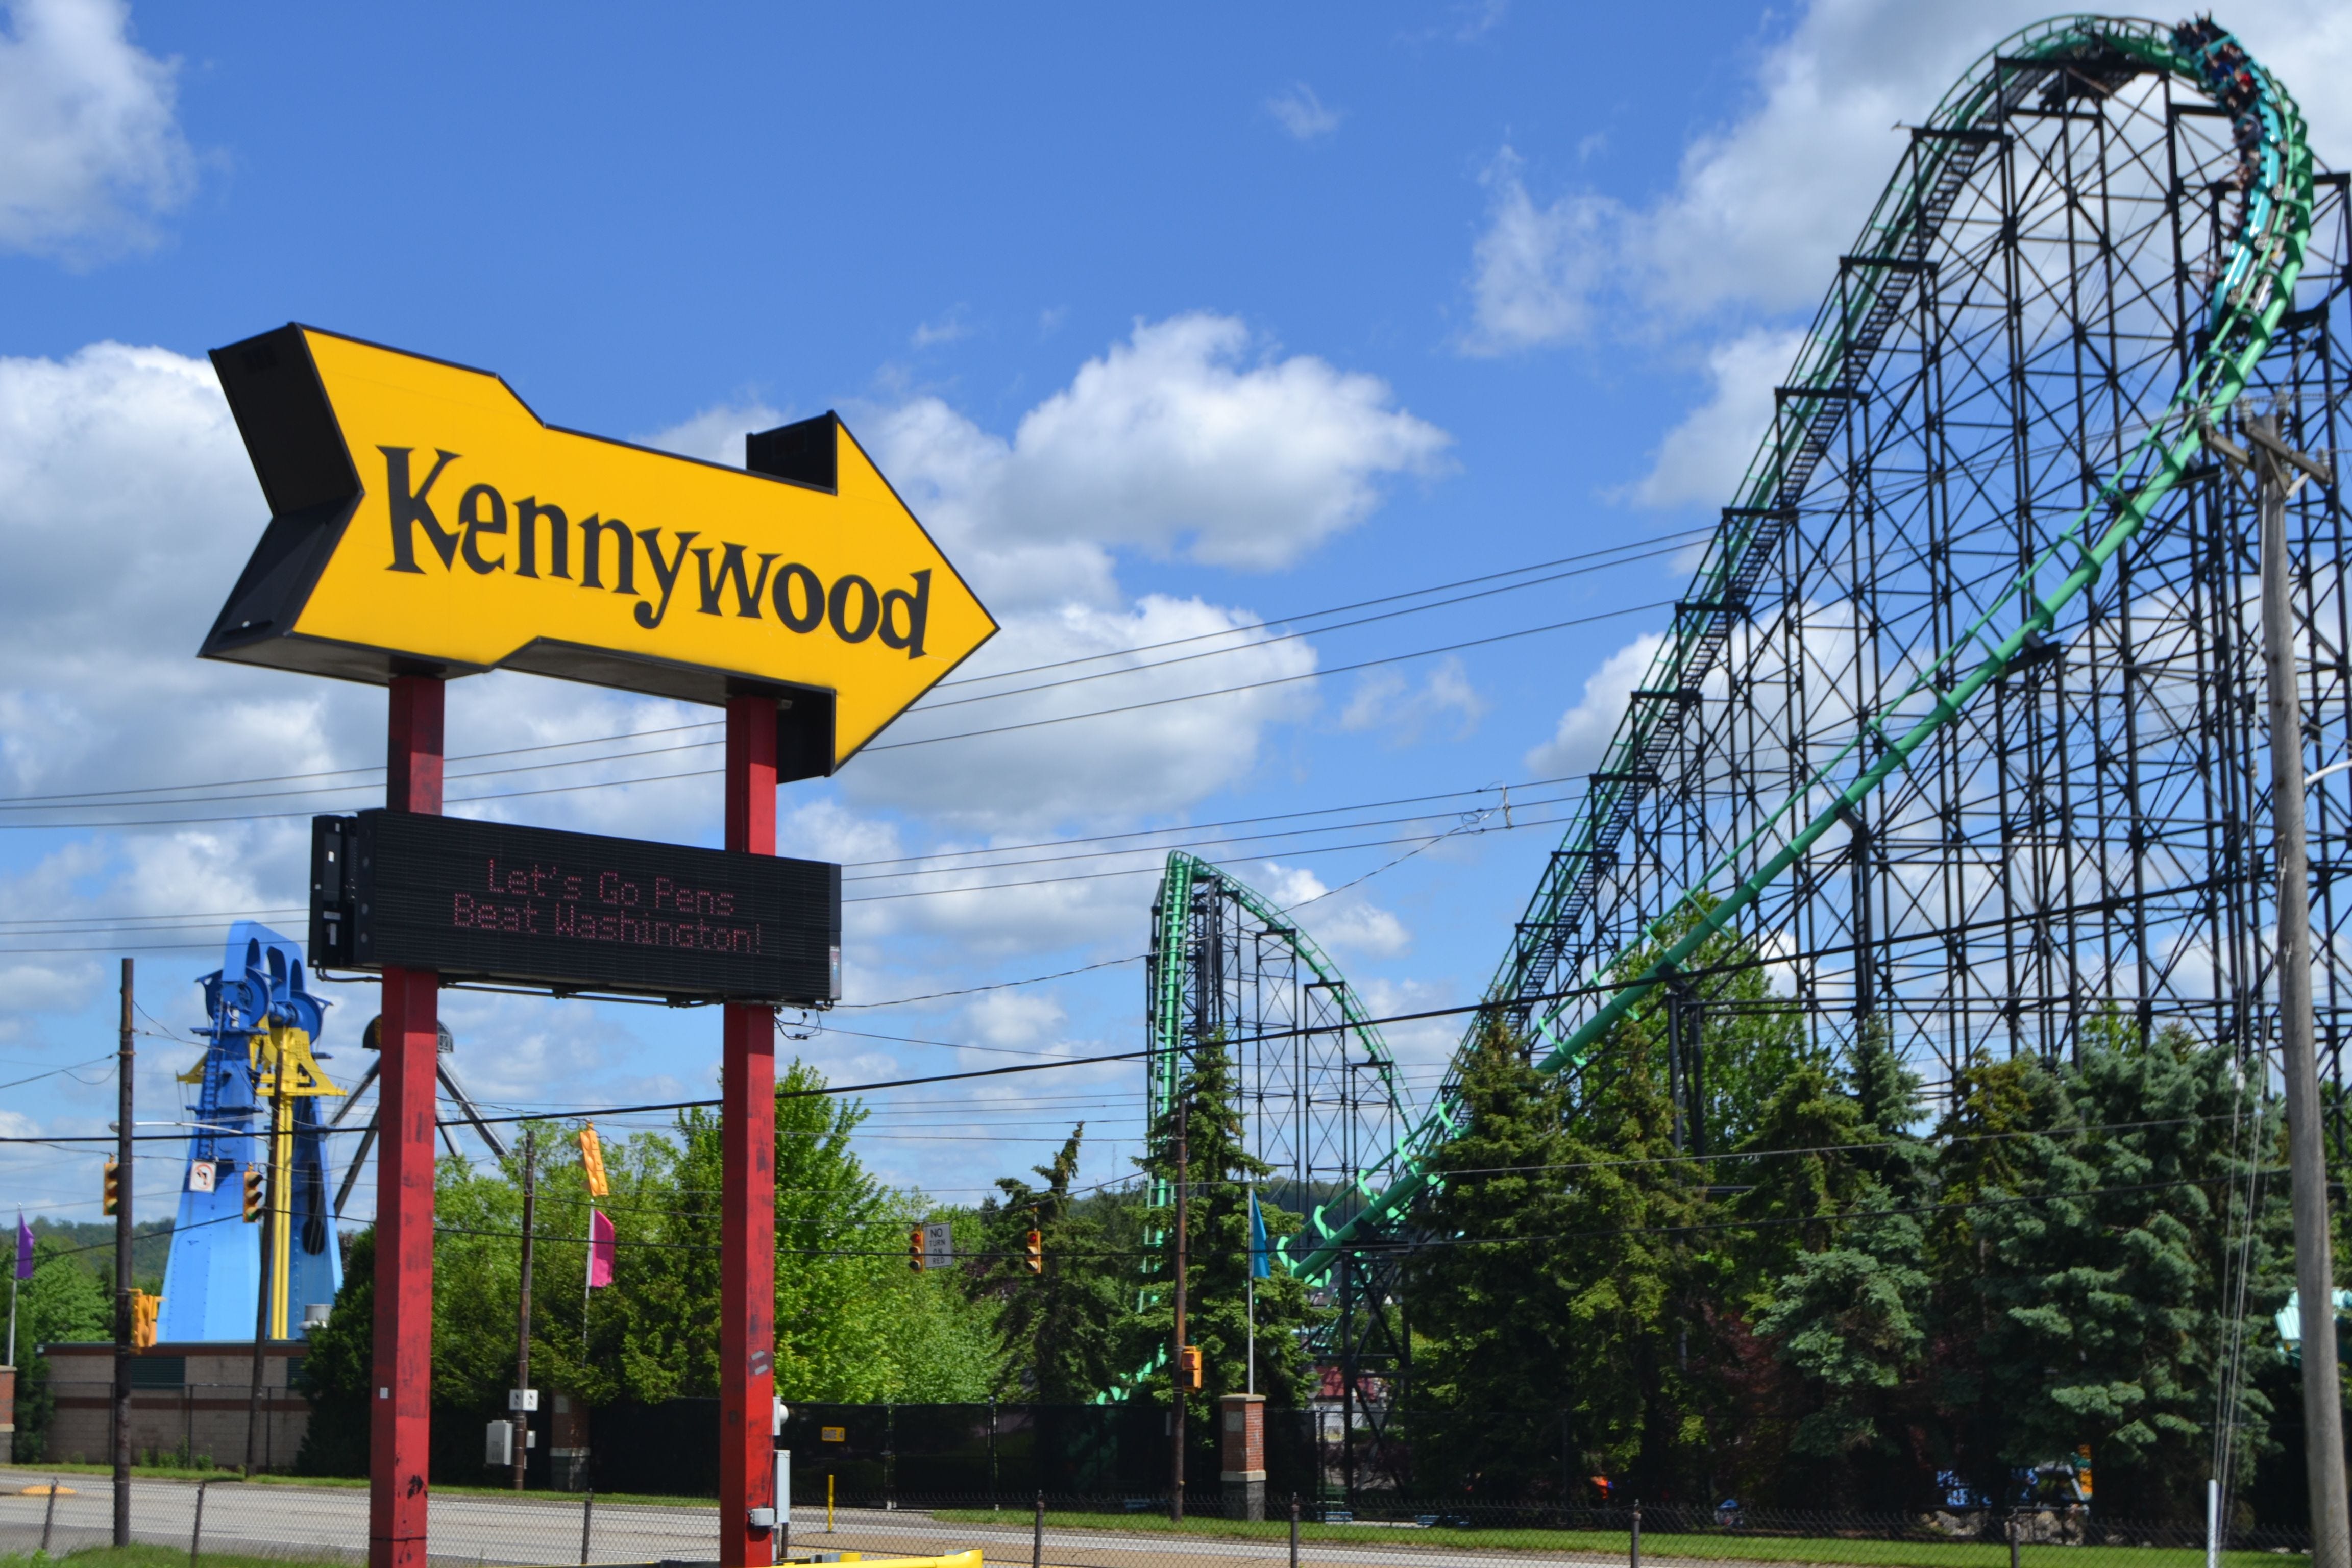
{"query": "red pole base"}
pixel 747 1257
pixel 400 1431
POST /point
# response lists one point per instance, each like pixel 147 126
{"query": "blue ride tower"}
pixel 212 1283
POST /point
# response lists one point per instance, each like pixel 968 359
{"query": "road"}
pixel 330 1524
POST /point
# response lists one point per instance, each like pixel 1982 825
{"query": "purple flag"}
pixel 23 1247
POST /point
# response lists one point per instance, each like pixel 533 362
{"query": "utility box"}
pixel 1241 1433
pixel 498 1446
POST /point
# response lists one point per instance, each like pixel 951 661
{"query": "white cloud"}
pixel 715 434
pixel 129 508
pixel 1013 1019
pixel 1346 922
pixel 1178 442
pixel 1302 113
pixel 948 329
pixel 1582 735
pixel 1125 766
pixel 90 152
pixel 1702 459
pixel 1763 205
pixel 1534 270
pixel 1445 698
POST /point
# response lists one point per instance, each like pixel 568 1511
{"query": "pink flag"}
pixel 600 1250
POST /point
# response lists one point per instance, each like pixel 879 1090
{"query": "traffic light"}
pixel 1033 1252
pixel 915 1249
pixel 113 1187
pixel 144 1310
pixel 253 1196
pixel 1188 1369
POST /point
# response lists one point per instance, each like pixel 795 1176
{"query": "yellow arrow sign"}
pixel 425 519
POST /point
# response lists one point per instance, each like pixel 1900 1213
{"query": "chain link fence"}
pixel 219 1521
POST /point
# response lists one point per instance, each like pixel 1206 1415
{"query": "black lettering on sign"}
pixel 528 511
pixel 917 607
pixel 855 608
pixel 411 508
pixel 812 594
pixel 481 511
pixel 650 615
pixel 748 590
pixel 592 530
pixel 869 608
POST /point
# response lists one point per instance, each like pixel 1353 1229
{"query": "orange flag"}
pixel 592 1160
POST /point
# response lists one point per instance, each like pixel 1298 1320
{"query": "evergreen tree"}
pixel 1835 1269
pixel 1556 1294
pixel 2109 1319
pixel 1852 1320
pixel 1486 1294
pixel 1221 1172
pixel 1059 1327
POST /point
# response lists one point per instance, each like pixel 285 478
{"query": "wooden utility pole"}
pixel 266 1298
pixel 124 1061
pixel 1176 1345
pixel 522 1306
pixel 2278 470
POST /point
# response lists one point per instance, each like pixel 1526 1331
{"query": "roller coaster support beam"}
pixel 2278 470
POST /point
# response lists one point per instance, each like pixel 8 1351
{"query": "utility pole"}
pixel 1176 1345
pixel 124 1060
pixel 264 1297
pixel 2279 471
pixel 522 1308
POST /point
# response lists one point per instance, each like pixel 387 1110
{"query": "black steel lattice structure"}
pixel 1319 1096
pixel 1959 730
pixel 2090 835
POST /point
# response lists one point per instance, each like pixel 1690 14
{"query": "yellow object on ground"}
pixel 62 1491
pixel 953 1560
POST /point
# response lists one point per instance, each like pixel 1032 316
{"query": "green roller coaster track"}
pixel 2255 288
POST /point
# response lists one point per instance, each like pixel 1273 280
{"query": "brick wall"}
pixel 189 1399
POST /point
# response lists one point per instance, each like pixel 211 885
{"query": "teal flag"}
pixel 1261 1251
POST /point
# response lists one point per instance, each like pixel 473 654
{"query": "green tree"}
pixel 1835 1268
pixel 1060 1328
pixel 63 1303
pixel 1554 1300
pixel 1852 1320
pixel 2108 1317
pixel 851 1322
pixel 1221 1172
pixel 337 1368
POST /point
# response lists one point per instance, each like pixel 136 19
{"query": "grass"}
pixel 1838 1549
pixel 36 1474
pixel 161 1557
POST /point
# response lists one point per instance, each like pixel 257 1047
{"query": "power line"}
pixel 1674 542
pixel 1592 619
pixel 587 1113
pixel 134 923
pixel 1642 551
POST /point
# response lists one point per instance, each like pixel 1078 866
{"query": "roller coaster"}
pixel 1957 728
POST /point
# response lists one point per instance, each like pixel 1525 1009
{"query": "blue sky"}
pixel 1167 324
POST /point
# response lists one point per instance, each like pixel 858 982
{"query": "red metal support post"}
pixel 747 1257
pixel 400 1432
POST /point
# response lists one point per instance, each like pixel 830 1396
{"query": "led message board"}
pixel 424 521
pixel 571 912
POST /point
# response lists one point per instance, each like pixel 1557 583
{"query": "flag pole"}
pixel 1250 1297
